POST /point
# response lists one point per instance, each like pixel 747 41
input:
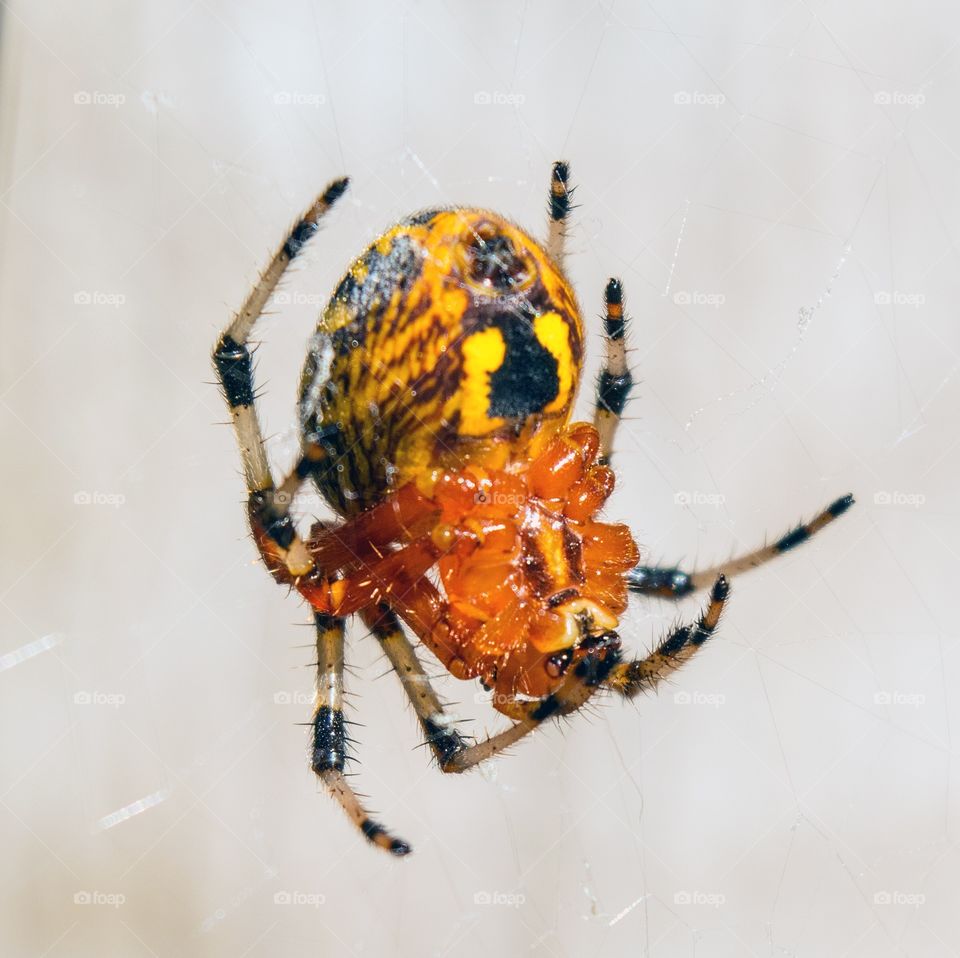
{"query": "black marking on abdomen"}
pixel 527 380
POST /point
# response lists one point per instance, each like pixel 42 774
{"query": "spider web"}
pixel 776 187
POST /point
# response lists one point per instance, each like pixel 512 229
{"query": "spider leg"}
pixel 586 677
pixel 670 582
pixel 329 751
pixel 269 509
pixel 673 651
pixel 444 740
pixel 559 211
pixel 616 380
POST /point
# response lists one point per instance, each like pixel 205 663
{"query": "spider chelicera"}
pixel 434 418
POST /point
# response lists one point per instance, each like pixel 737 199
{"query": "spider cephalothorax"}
pixel 435 419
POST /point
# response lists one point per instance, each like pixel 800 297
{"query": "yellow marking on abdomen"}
pixel 554 335
pixel 483 354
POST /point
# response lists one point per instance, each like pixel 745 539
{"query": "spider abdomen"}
pixel 452 339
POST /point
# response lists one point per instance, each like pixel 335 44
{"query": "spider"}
pixel 434 418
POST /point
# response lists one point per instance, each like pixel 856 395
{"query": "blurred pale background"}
pixel 777 185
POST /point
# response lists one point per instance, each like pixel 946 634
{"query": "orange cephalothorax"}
pixel 528 576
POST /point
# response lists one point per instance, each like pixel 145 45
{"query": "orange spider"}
pixel 434 413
